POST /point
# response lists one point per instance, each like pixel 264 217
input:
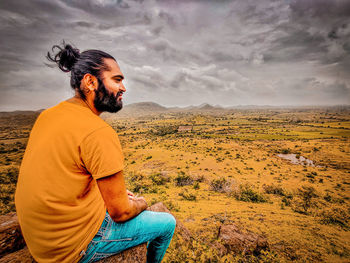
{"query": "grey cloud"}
pixel 83 24
pixel 178 52
pixel 222 56
pixel 337 89
pixel 97 7
pixel 159 45
pixel 149 77
pixel 324 21
pixel 321 8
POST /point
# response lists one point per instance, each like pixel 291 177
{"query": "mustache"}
pixel 119 93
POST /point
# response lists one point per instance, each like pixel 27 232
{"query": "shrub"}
pixel 306 195
pixel 286 201
pixel 188 196
pixel 199 178
pixel 135 177
pixel 4 179
pixel 183 179
pixel 310 175
pixel 12 173
pixel 273 189
pixel 335 216
pixel 159 178
pixel 220 185
pixel 196 186
pixel 328 197
pixel 7 198
pixel 139 187
pixel 9 175
pixel 136 183
pixel 152 190
pixel 286 151
pixel 171 206
pixel 247 194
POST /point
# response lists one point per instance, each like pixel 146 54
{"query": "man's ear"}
pixel 90 82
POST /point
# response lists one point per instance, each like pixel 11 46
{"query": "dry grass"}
pixel 227 170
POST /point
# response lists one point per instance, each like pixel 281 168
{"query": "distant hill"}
pixel 201 107
pixel 18 112
pixel 145 106
pixel 142 108
pixel 207 107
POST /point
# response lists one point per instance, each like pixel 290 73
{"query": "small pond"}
pixel 294 159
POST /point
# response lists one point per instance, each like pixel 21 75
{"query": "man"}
pixel 71 199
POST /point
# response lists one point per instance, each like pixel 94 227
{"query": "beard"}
pixel 105 100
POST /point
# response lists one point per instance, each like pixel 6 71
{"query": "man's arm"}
pixel 120 205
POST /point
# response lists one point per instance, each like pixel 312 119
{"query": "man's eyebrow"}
pixel 118 77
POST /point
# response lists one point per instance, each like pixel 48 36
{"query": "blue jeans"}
pixel 156 228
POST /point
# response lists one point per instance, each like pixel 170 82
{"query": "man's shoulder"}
pixel 69 116
pixel 103 132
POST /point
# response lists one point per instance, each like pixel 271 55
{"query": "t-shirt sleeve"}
pixel 101 153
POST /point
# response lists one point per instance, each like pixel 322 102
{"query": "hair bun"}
pixel 65 58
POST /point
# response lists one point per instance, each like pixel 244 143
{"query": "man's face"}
pixel 108 96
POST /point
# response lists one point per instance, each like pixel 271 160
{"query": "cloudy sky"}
pixel 183 52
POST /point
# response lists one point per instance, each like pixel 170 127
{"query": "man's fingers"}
pixel 130 193
pixel 141 198
pixel 135 198
pixel 132 198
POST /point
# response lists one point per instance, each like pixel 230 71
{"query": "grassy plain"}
pixel 226 170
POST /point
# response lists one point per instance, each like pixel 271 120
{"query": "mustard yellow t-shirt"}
pixel 58 202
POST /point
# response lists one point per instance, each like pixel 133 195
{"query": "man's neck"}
pixel 84 102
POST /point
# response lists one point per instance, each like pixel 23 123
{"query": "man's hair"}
pixel 70 59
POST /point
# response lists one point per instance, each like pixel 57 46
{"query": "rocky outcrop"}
pixel 20 256
pixel 234 241
pixel 10 234
pixel 13 249
pixel 135 254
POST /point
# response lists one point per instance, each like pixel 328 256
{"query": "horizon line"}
pixel 217 106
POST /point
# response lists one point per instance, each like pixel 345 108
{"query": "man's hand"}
pixel 131 195
pixel 141 201
pixel 134 197
pixel 121 204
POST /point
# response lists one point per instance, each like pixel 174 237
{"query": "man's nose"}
pixel 122 87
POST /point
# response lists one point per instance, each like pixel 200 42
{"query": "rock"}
pixel 220 249
pixel 232 239
pixel 135 254
pixel 20 256
pixel 10 234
